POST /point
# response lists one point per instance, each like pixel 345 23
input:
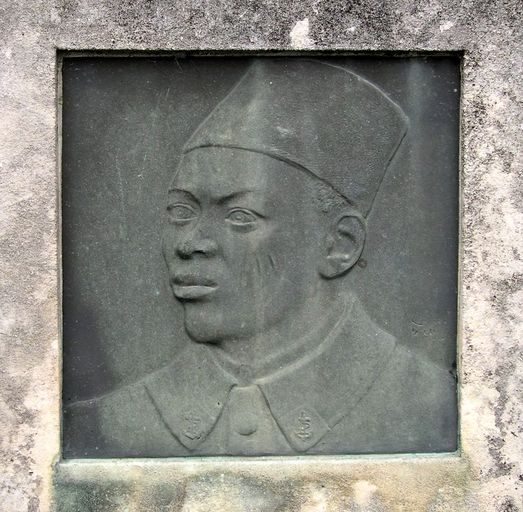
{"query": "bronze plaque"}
pixel 259 255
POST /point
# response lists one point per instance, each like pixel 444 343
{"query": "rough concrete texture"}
pixel 488 476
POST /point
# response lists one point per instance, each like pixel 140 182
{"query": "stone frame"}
pixel 486 473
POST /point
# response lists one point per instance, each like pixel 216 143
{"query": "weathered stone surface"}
pixel 488 474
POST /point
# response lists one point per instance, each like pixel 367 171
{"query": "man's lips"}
pixel 191 286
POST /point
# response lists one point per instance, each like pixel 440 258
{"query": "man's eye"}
pixel 241 217
pixel 181 213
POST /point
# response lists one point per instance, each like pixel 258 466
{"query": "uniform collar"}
pixel 307 397
pixel 189 394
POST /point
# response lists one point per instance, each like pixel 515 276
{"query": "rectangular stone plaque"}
pixel 259 255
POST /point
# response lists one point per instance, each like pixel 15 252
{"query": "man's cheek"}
pixel 255 263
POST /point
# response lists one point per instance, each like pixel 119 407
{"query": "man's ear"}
pixel 344 244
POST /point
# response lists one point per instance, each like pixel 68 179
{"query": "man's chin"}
pixel 204 331
pixel 212 322
pixel 201 329
pixel 199 335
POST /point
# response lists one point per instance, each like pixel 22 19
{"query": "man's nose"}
pixel 196 244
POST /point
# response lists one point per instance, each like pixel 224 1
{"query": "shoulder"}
pixel 93 428
pixel 395 400
pixel 400 370
pixel 415 374
pixel 419 401
pixel 123 423
pixel 142 419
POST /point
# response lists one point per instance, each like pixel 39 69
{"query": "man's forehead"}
pixel 228 170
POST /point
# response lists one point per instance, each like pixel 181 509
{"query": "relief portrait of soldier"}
pixel 265 218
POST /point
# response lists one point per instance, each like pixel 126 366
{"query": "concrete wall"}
pixel 486 476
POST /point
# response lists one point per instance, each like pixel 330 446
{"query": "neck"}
pixel 280 345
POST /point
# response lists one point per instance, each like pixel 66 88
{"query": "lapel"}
pixel 189 394
pixel 309 398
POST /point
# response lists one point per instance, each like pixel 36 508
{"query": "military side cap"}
pixel 322 118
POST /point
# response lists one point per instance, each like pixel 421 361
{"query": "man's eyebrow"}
pixel 186 193
pixel 234 195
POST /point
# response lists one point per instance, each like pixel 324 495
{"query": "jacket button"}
pixel 246 429
pixel 245 409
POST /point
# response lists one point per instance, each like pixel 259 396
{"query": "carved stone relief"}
pixel 278 252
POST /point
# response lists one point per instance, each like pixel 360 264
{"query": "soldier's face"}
pixel 242 243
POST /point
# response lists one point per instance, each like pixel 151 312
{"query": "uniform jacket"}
pixel 356 391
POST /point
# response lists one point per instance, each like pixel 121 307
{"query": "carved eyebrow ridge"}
pixel 220 200
pixel 233 195
pixel 184 192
